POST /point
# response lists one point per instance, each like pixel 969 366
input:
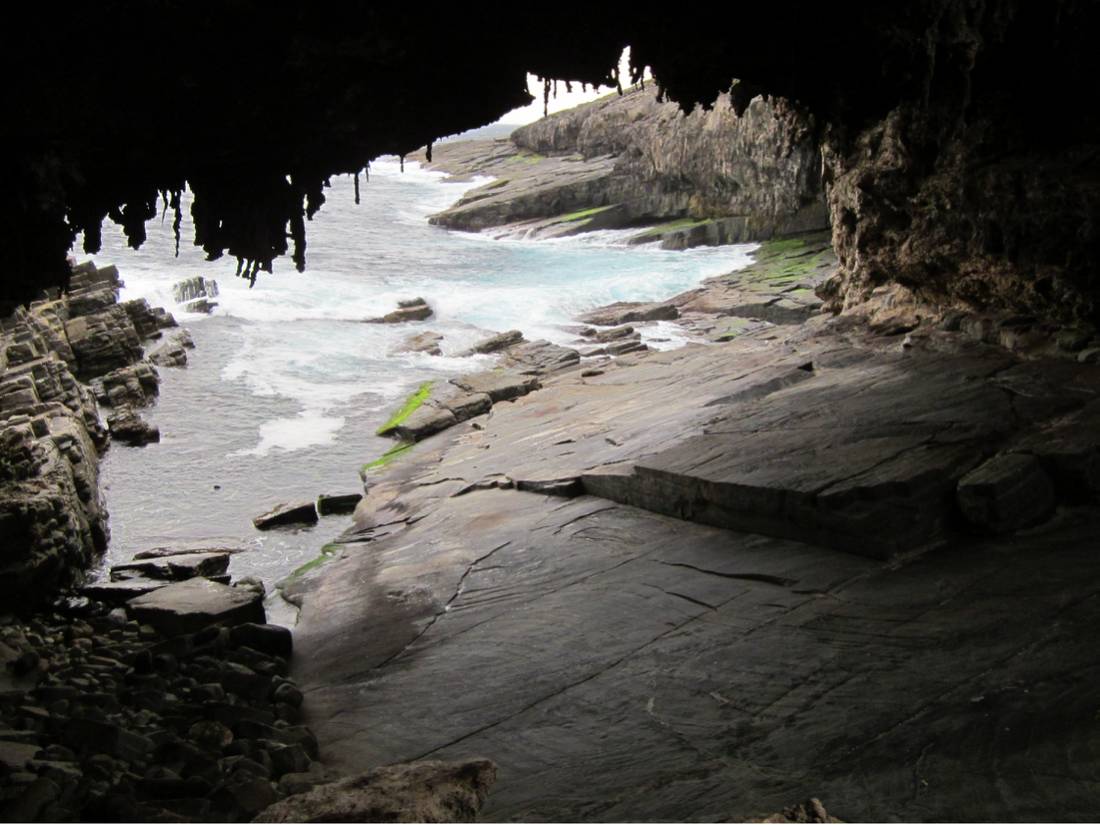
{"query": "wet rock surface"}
pixel 725 576
pixel 287 515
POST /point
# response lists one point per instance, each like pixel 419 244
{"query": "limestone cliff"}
pixel 708 177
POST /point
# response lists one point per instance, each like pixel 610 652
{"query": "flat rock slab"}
pixel 174 567
pixel 189 606
pixel 286 515
pixel 120 592
pixel 499 386
pixel 426 420
pixel 340 505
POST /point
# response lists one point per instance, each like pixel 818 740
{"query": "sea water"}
pixel 286 387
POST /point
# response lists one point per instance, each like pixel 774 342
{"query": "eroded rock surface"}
pixel 711 177
pixel 643 662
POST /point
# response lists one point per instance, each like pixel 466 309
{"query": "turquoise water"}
pixel 285 388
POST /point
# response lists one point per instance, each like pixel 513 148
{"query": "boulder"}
pixel 603 336
pixel 283 515
pixel 127 427
pixel 426 342
pixel 272 639
pixel 191 289
pixel 1007 492
pixel 203 306
pixel 465 405
pixel 426 420
pixel 498 385
pixel 415 309
pixel 427 791
pixel 624 312
pixel 120 592
pixel 189 606
pixel 135 386
pixel 172 350
pixel 173 568
pixel 496 343
pixel 540 357
pixel 341 505
pixel 147 320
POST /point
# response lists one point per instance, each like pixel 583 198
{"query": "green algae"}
pixel 388 457
pixel 582 214
pixel 673 226
pixel 328 552
pixel 411 405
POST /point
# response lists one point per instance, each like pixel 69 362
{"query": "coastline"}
pixel 588 556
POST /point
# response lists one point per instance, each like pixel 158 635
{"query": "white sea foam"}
pixel 299 338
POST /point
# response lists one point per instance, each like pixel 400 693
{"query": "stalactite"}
pixel 545 96
pixel 298 230
pixel 402 163
pixel 569 87
pixel 177 217
pixel 356 188
pixel 240 266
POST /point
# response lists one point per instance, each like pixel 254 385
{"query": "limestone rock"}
pixel 499 386
pixel 136 385
pixel 426 420
pixel 283 515
pixel 496 343
pixel 147 320
pixel 1005 493
pixel 174 567
pixel 172 350
pixel 540 358
pixel 464 405
pixel 103 341
pixel 120 592
pixel 414 792
pixel 191 289
pixel 414 309
pixel 127 427
pixel 340 505
pixel 189 606
pixel 627 312
pixel 426 342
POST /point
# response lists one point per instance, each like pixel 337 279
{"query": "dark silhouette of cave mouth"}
pixel 112 110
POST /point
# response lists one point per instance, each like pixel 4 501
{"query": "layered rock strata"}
pixel 52 517
pixel 710 177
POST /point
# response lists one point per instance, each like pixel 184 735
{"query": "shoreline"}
pixel 565 551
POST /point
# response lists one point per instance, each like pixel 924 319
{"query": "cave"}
pixel 881 528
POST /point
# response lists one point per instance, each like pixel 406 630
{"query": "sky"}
pixel 564 99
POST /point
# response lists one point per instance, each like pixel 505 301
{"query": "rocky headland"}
pixel 630 160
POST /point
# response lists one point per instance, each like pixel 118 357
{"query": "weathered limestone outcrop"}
pixel 709 177
pixel 52 515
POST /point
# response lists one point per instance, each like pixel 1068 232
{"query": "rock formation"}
pixel 52 517
pixel 705 178
pixel 952 165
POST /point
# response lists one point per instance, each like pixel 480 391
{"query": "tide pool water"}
pixel 286 387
